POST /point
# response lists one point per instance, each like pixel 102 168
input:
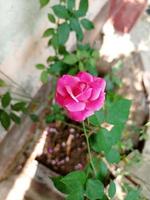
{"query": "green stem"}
pixel 89 150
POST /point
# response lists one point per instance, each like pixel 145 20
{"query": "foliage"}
pixel 104 129
pixel 12 108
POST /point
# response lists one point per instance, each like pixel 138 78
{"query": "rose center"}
pixel 83 86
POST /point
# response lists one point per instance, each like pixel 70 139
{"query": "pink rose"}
pixel 80 95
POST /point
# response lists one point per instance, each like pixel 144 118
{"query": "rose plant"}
pixel 87 99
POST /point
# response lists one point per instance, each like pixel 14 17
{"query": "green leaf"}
pixel 2 83
pixel 103 171
pixel 78 176
pixel 87 24
pixel 83 8
pixel 63 33
pixel 51 18
pixel 73 71
pixel 70 59
pixel 61 11
pixel 48 32
pixel 62 50
pixel 104 197
pixel 101 168
pixel 77 195
pixel 75 26
pixel 91 67
pixel 94 189
pixel 101 141
pixel 133 194
pixel 51 58
pixel 34 117
pixel 81 66
pixel 70 4
pixel 60 117
pixel 15 118
pixel 74 181
pixel 55 68
pixel 58 184
pixel 117 115
pixel 97 118
pixel 113 156
pixel 83 54
pixel 119 111
pixel 44 77
pixel 19 106
pixel 96 54
pixel 5 119
pixel 6 99
pixel 43 2
pixel 112 189
pixel 49 118
pixel 40 66
pixel 54 41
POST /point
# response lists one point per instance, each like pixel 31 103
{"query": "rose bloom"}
pixel 80 95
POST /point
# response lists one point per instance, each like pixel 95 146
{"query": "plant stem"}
pixel 89 150
pixel 15 83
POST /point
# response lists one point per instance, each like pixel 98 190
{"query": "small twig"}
pixel 132 180
pixel 14 82
pixel 115 176
pixel 69 143
pixel 72 125
pixel 21 95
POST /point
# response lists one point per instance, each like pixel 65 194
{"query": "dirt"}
pixel 65 148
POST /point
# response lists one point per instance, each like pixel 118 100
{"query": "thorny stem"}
pixel 89 150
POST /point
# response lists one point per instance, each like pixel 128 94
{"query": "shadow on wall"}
pixel 123 14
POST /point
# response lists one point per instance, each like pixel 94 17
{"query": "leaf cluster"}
pixel 10 110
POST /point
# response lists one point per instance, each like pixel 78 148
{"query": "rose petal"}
pixel 59 99
pixel 97 104
pixel 68 89
pixel 66 80
pixel 80 116
pixel 98 87
pixel 70 80
pixel 101 81
pixel 63 100
pixel 85 77
pixel 74 106
pixel 84 96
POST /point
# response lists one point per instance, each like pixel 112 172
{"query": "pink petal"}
pixel 80 116
pixel 68 89
pixel 97 104
pixel 98 87
pixel 74 106
pixel 62 101
pixel 84 96
pixel 101 82
pixel 85 77
pixel 70 80
pixel 66 80
pixel 60 88
pixel 59 99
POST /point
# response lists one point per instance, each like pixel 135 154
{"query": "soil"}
pixel 65 148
